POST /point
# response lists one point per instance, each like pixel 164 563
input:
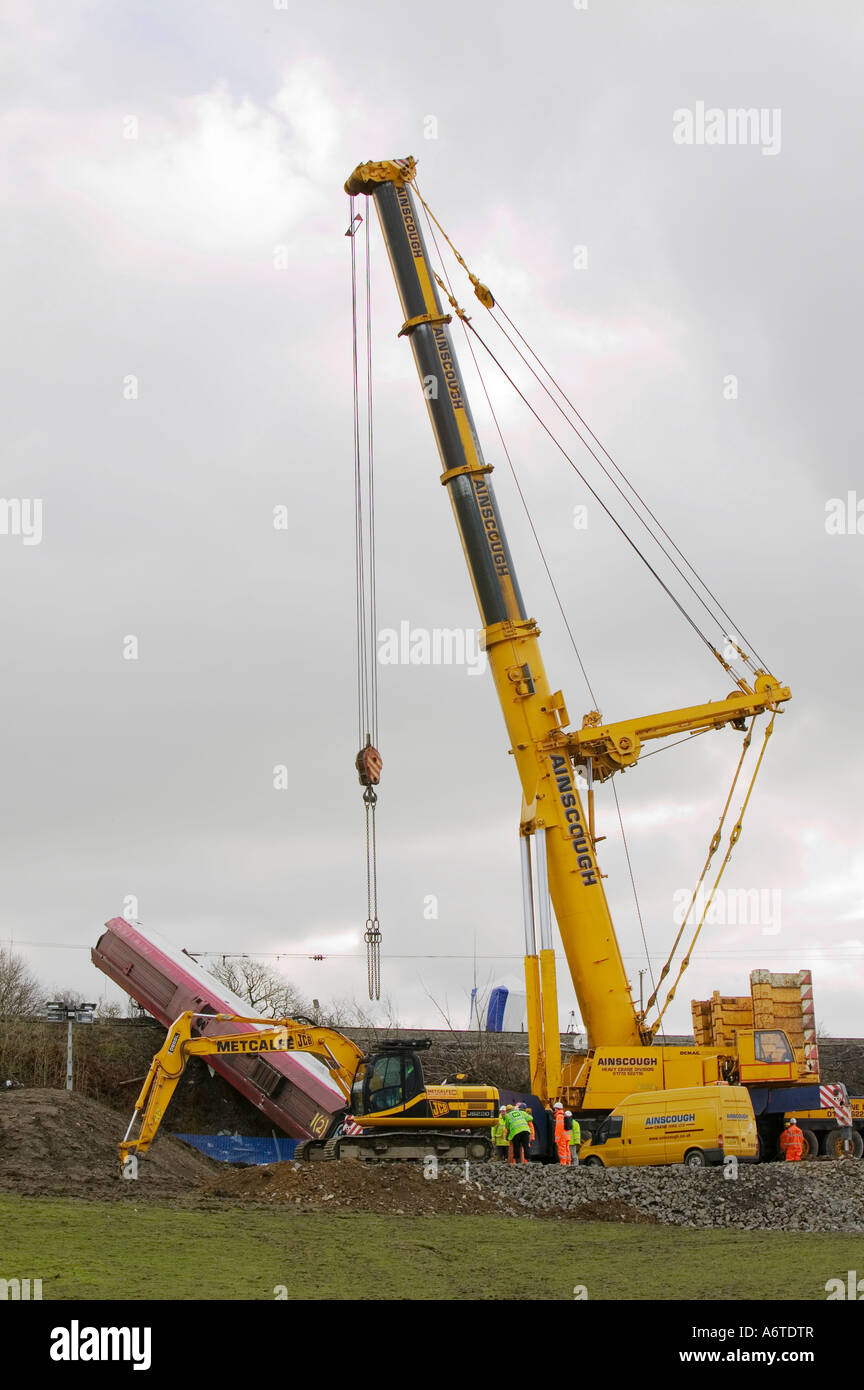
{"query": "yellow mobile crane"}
pixel 622 1055
pixel 400 1116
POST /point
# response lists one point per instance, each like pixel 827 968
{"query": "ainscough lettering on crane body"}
pixel 643 1061
pixel 490 524
pixel 411 231
pixel 448 367
pixel 573 820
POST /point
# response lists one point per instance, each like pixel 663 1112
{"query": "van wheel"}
pixel 694 1158
pixel 591 1162
pixel 811 1143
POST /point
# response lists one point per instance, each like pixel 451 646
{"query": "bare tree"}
pixel 110 1009
pixel 380 1018
pixel 20 994
pixel 263 988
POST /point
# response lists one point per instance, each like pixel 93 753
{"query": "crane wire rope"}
pixel 486 299
pixel 714 599
pixel 733 840
pixel 769 729
pixel 368 761
pixel 712 849
pixel 554 587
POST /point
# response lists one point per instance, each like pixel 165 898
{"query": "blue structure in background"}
pixel 505 1011
pixel 240 1148
pixel 495 1011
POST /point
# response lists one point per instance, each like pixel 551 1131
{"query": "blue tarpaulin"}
pixel 495 1011
pixel 240 1148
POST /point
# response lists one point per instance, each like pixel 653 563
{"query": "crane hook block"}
pixel 369 764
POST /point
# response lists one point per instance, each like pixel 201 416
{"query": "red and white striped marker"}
pixel 834 1098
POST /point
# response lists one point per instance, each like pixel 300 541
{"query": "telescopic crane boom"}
pixel 536 716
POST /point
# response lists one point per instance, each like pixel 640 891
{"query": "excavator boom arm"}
pixel 341 1056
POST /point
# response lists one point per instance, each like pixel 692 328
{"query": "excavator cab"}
pixel 391 1081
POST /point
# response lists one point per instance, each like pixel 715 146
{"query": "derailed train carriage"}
pixel 293 1090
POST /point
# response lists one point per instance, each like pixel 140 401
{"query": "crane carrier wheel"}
pixel 400 1144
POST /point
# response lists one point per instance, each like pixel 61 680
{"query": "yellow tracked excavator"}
pixel 385 1093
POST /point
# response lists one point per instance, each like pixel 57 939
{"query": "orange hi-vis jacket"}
pixel 562 1138
pixel 792 1144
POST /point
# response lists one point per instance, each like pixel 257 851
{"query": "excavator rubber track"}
pixel 310 1151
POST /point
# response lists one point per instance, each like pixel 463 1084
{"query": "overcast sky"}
pixel 174 213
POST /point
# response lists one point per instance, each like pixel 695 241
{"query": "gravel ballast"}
pixel 819 1196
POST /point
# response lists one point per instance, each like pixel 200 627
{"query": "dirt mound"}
pixel 605 1211
pixel 397 1189
pixel 61 1143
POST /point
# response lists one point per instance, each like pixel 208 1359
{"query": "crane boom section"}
pixel 531 712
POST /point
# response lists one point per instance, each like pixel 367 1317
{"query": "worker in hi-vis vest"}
pixel 529 1117
pixel 792 1142
pixel 575 1135
pixel 519 1131
pixel 562 1138
pixel 499 1136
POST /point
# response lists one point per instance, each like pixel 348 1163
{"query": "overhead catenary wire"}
pixel 851 952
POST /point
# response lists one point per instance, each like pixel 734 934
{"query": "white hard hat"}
pixel 557 1105
pixel 569 1112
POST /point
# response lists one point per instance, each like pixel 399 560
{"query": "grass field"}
pixel 92 1250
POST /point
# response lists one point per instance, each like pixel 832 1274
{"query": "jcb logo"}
pixel 440 1107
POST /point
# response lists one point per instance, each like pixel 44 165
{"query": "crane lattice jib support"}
pixel 531 712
